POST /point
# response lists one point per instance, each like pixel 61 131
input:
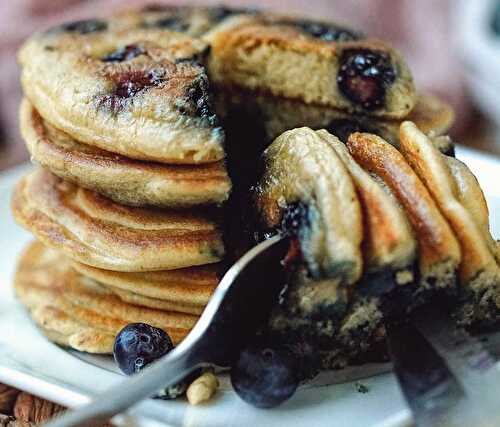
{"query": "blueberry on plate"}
pixel 139 344
pixel 265 376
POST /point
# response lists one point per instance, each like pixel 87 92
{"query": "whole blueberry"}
pixel 264 376
pixel 139 344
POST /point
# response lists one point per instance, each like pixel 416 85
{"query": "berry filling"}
pixel 197 101
pixel 330 33
pixel 129 84
pixel 85 27
pixel 126 53
pixel 364 77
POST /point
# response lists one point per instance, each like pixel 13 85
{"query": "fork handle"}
pixel 166 372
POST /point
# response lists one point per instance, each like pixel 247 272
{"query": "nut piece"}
pixel 202 389
pixel 30 408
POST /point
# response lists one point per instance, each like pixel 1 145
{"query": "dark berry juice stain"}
pixel 129 84
pixel 125 53
pixel 342 128
pixel 364 77
pixel 85 26
pixel 197 101
pixel 326 32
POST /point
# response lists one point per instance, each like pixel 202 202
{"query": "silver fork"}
pixel 238 305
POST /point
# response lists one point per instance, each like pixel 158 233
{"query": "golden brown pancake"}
pixel 286 57
pixel 388 240
pixel 439 250
pixel 76 311
pixel 479 271
pixel 91 229
pixel 306 190
pixel 276 115
pixel 187 290
pixel 135 92
pixel 126 181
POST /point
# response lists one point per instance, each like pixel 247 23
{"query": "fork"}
pixel 241 302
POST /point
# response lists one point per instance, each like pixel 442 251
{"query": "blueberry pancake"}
pixel 126 181
pixel 77 312
pixel 479 271
pixel 185 290
pixel 267 117
pixel 139 93
pixel 317 63
pixel 91 229
pixel 306 191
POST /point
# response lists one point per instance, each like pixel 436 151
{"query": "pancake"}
pixel 76 311
pixel 126 181
pixel 93 230
pixel 316 62
pixel 143 94
pixel 439 250
pixel 479 271
pixel 276 115
pixel 306 192
pixel 186 290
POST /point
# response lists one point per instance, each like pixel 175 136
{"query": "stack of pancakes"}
pixel 131 118
pixel 126 203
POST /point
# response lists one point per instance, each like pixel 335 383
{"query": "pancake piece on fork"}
pixel 438 248
pixel 479 271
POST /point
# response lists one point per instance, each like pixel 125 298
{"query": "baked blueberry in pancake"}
pixel 77 312
pixel 93 230
pixel 130 92
pixel 271 54
pixel 124 180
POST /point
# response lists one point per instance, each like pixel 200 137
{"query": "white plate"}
pixel 30 362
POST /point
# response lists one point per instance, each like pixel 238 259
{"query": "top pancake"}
pixel 127 181
pixel 93 230
pixel 136 92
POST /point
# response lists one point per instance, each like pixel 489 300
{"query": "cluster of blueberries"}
pixel 262 376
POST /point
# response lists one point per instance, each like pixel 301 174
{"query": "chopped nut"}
pixel 202 389
pixel 30 408
pixel 8 397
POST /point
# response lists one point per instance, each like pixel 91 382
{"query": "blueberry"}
pixel 85 26
pixel 125 53
pixel 264 376
pixel 326 32
pixel 139 344
pixel 364 77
